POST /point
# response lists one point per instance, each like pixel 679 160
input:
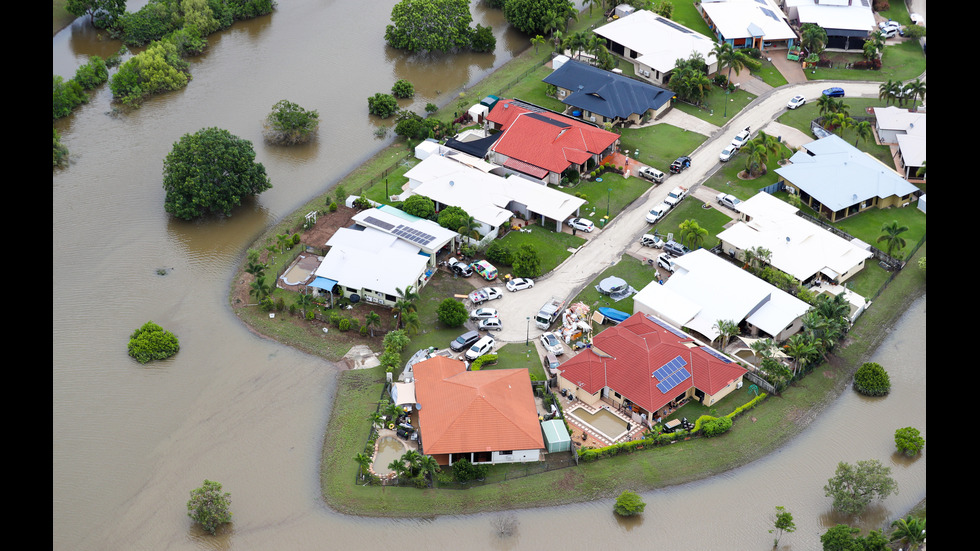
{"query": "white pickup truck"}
pixel 675 196
pixel 483 295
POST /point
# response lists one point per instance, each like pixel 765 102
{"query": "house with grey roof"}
pixel 848 22
pixel 748 23
pixel 907 131
pixel 603 96
pixel 653 44
pixel 838 180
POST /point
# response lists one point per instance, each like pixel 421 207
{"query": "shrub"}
pixel 209 507
pixel 151 342
pixel 382 105
pixel 872 380
pixel 714 427
pixel 344 324
pixel 909 441
pixel 60 151
pixel 452 313
pixel 489 359
pixel 67 95
pixel 482 39
pixel 431 108
pixel 290 124
pixel 333 207
pixel 363 330
pixel 526 261
pixel 419 205
pixel 629 504
pixel 403 89
pixel 92 73
pixel 498 253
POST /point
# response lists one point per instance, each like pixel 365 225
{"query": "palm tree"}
pixel 910 531
pixel 398 467
pixel 591 3
pixel 813 37
pixel 412 323
pixel 304 301
pixel 840 122
pixel 470 228
pixel 729 57
pixel 801 349
pixel 825 105
pixel 576 43
pixel 692 234
pixel 538 40
pixel 726 330
pixel 891 235
pixel 764 348
pixel 254 268
pixel 429 466
pixel 372 320
pixel 364 460
pixel 864 131
pixel 918 90
pixel 260 289
pixel 755 158
pixel 412 460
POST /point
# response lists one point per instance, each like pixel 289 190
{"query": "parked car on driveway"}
pixel 795 102
pixel 666 262
pixel 680 164
pixel 480 347
pixel 483 313
pixel 485 269
pixel 480 296
pixel 835 92
pixel 652 174
pixel 464 341
pixel 652 240
pixel 519 284
pixel 490 324
pixel 581 224
pixel 674 248
pixel 459 268
pixel 552 344
pixel 728 200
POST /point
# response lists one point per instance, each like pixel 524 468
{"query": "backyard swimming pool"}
pixel 603 421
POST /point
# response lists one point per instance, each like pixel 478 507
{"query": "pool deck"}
pixel 305 261
pixel 595 439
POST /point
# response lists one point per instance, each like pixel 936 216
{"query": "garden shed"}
pixel 556 437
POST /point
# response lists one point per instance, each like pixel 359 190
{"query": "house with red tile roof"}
pixel 486 416
pixel 648 366
pixel 541 144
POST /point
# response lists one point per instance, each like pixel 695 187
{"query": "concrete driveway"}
pixel 607 245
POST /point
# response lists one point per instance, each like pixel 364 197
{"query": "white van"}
pixel 657 212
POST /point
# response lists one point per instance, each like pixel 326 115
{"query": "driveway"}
pixel 607 246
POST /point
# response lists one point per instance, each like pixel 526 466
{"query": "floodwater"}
pixel 130 441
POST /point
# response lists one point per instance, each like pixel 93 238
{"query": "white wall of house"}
pixel 516 456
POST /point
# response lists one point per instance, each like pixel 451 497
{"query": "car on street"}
pixel 480 347
pixel 727 153
pixel 835 92
pixel 739 140
pixel 652 174
pixel 666 262
pixel 657 212
pixel 551 343
pixel 675 196
pixel 581 224
pixel 480 296
pixel 680 164
pixel 483 313
pixel 519 284
pixel 459 268
pixel 795 102
pixel 464 341
pixel 490 324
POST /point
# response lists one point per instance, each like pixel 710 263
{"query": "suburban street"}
pixel 608 245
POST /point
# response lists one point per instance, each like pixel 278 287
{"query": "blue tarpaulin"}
pixel 323 283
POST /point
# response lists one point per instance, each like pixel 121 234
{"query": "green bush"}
pixel 290 124
pixel 484 359
pixel 872 380
pixel 363 330
pixel 629 504
pixel 714 427
pixel 909 441
pixel 403 89
pixel 333 207
pixel 152 342
pixel 498 253
pixel 60 151
pixel 344 324
pixel 157 69
pixel 382 105
pixel 67 95
pixel 452 313
pixel 92 73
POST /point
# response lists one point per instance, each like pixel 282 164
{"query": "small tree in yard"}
pixel 452 313
pixel 909 441
pixel 209 507
pixel 784 523
pixel 855 487
pixel 526 261
pixel 629 504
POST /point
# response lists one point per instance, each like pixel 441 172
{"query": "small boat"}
pixel 613 314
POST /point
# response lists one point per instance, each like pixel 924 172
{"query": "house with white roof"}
pixel 848 22
pixel 705 289
pixel 907 130
pixel 798 247
pixel 748 23
pixel 490 199
pixel 653 44
pixel 838 180
pixel 386 250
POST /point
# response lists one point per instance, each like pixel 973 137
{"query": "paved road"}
pixel 606 246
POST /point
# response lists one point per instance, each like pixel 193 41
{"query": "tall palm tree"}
pixel 591 3
pixel 469 228
pixel 915 90
pixel 429 465
pixel 254 268
pixel 891 235
pixel 801 349
pixel 412 323
pixel 364 461
pixel 864 131
pixel 910 531
pixel 726 330
pixel 260 289
pixel 412 460
pixel 692 234
pixel 729 57
pixel 372 319
pixel 755 158
pixel 538 40
pixel 398 467
pixel 825 105
pixel 813 38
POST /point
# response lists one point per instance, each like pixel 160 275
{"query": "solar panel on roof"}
pixel 768 12
pixel 673 25
pixel 673 380
pixel 670 367
pixel 379 223
pixel 716 354
pixel 677 332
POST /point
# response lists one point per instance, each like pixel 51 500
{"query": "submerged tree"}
pixel 209 507
pixel 854 487
pixel 290 124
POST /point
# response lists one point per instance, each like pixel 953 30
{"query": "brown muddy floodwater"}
pixel 130 442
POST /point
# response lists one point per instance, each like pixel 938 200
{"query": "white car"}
pixel 483 313
pixel 651 240
pixel 727 153
pixel 480 347
pixel 739 140
pixel 519 284
pixel 885 26
pixel 657 212
pixel 581 224
pixel 795 102
pixel 490 324
pixel 552 344
pixel 666 262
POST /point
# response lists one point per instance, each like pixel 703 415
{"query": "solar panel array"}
pixel 716 354
pixel 675 26
pixel 413 235
pixel 673 380
pixel 677 332
pixel 669 367
pixel 769 12
pixel 378 223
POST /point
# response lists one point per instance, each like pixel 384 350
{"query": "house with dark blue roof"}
pixel 603 96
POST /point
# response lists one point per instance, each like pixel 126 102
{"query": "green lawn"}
pixel 659 144
pixel 903 61
pixel 533 90
pixel 714 110
pixel 711 219
pixel 635 272
pixel 516 356
pixel 726 179
pixel 610 196
pixel 552 246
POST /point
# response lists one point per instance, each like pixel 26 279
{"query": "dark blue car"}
pixel 834 92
